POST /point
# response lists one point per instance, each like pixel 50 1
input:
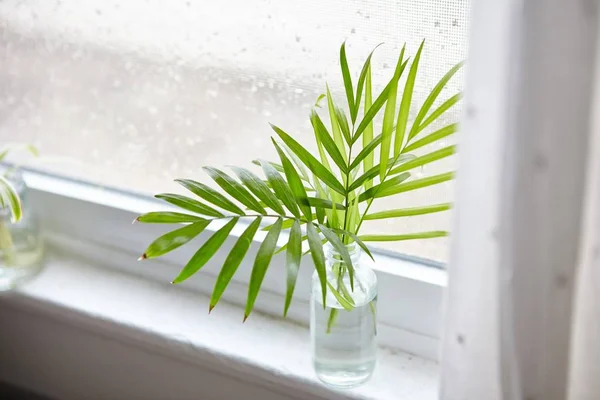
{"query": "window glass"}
pixel 133 94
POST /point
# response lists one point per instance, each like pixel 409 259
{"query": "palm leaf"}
pixel 311 162
pixel 234 189
pixel 439 111
pixel 189 204
pixel 233 261
pixel 388 117
pixel 174 239
pixel 365 76
pixel 327 141
pixel 432 137
pixel 343 302
pixel 346 77
pixel 9 196
pixel 335 126
pixel 431 99
pixel 167 217
pixel 281 188
pixel 209 194
pixel 292 264
pixel 412 185
pixel 259 189
pixel 425 159
pixel 408 236
pixel 409 212
pixel 382 187
pixel 405 102
pixel 318 257
pixel 261 263
pixel 368 132
pixel 366 152
pixel 206 252
pixel 341 249
pixel 294 182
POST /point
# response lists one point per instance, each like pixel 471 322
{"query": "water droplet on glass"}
pixel 214 115
pixel 298 91
pixel 253 89
pixel 212 93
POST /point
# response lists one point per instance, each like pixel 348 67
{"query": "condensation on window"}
pixel 132 94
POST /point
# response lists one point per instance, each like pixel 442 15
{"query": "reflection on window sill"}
pixel 169 323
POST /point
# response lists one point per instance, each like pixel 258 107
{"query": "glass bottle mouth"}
pixel 333 255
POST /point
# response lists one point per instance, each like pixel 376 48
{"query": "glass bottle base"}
pixel 344 378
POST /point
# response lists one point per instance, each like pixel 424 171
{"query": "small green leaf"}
pixel 327 141
pixel 9 196
pixel 209 194
pixel 413 185
pixel 284 247
pixel 292 263
pixel 405 102
pixel 277 167
pixel 366 151
pixel 382 187
pixel 440 110
pixel 261 264
pixel 373 110
pixel 425 159
pixel 368 132
pixel 432 137
pixel 174 239
pixel 343 302
pixel 373 172
pixel 408 236
pixel 281 188
pixel 409 212
pixel 233 261
pixel 259 189
pixel 311 162
pixel 234 189
pixel 340 248
pixel 318 101
pixel 206 252
pixel 189 204
pixel 431 99
pixel 343 123
pixel 166 217
pixel 364 76
pixel 335 126
pixel 322 203
pixel 318 257
pixel 294 182
pixel 287 224
pixel 347 77
pixel 320 211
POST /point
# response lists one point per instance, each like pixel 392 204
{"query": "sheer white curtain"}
pixel 523 303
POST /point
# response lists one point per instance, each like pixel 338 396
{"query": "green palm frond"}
pixel 323 198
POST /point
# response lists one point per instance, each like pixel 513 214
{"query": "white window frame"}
pixel 94 222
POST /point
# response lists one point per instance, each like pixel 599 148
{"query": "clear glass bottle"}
pixel 21 248
pixel 344 341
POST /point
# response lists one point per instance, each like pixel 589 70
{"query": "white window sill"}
pixel 270 355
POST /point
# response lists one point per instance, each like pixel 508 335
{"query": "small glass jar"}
pixel 344 340
pixel 21 248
